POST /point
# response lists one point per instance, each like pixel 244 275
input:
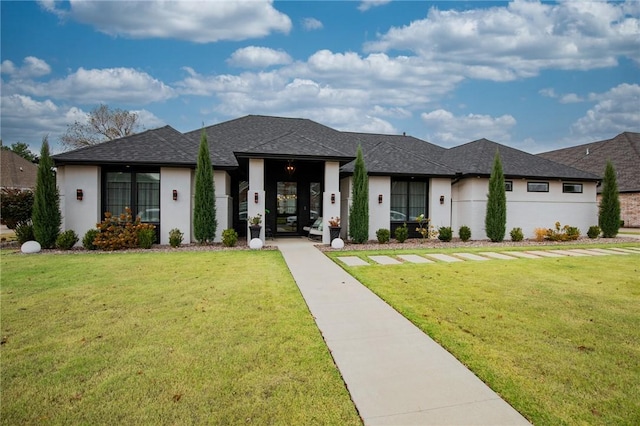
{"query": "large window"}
pixel 408 200
pixel 136 190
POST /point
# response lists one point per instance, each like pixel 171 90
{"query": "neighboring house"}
pixel 16 172
pixel 294 170
pixel 624 152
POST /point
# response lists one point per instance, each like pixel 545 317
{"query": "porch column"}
pixel 330 197
pixel 256 194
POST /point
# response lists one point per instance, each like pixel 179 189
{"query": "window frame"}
pixel 508 186
pixel 573 184
pixel 529 186
pixel 133 195
pixel 407 200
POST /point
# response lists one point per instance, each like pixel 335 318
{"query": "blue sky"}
pixel 533 75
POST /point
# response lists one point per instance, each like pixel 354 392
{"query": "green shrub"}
pixel 175 237
pixel 359 209
pixel 593 232
pixel 89 238
pixel 24 232
pixel 146 237
pixel 229 237
pixel 66 239
pixel 565 233
pixel 572 232
pixel 445 233
pixel 465 233
pixel 16 206
pixel 46 216
pixel 401 233
pixel 383 235
pixel 609 209
pixel 121 232
pixel 516 234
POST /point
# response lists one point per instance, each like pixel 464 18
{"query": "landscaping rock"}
pixel 255 244
pixel 31 247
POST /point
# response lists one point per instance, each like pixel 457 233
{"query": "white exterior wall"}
pixel 379 213
pixel 331 190
pixel 79 216
pixel 526 210
pixel 440 214
pixel 175 214
pixel 224 202
pixel 256 186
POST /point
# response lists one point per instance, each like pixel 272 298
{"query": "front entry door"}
pixel 287 207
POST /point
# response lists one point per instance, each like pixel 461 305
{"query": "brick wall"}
pixel 629 209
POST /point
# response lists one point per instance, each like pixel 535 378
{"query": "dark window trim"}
pixel 426 199
pixel 574 184
pixel 537 183
pixel 508 185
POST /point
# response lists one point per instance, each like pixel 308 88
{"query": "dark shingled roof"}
pixel 399 155
pixel 16 172
pixel 296 138
pixel 275 137
pixel 623 151
pixel 162 146
pixel 476 158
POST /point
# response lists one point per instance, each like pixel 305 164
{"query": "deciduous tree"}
pixel 102 124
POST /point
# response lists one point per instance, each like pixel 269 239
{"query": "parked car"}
pixel 398 217
pixel 149 215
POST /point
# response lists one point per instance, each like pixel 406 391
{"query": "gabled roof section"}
pixel 161 146
pixel 623 151
pixel 16 172
pixel 399 155
pixel 476 158
pixel 275 137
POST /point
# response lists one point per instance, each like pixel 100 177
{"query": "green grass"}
pixel 559 339
pixel 162 338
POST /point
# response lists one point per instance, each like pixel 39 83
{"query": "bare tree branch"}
pixel 103 124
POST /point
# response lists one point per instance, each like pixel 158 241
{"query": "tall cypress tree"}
pixel 495 221
pixel 204 209
pixel 46 216
pixel 609 209
pixel 359 211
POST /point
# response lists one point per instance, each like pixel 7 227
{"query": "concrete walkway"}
pixel 395 373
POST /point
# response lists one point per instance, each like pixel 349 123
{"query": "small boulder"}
pixel 255 244
pixel 31 247
pixel 337 243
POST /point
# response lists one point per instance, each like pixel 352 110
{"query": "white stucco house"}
pixel 293 171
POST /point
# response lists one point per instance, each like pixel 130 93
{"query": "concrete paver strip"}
pixel 588 252
pixel 545 253
pixel 394 372
pixel 618 250
pixel 570 253
pixel 385 260
pixel 352 261
pixel 496 255
pixel 444 257
pixel 414 258
pixel 470 256
pixel 522 254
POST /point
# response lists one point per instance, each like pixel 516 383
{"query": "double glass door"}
pixel 287 207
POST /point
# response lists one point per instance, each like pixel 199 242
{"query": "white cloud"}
pixel 196 21
pixel 570 98
pixel 32 67
pixel 548 93
pixel 368 4
pixel 107 85
pixel 520 40
pixel 616 111
pixel 24 119
pixel 311 24
pixel 258 57
pixel 446 129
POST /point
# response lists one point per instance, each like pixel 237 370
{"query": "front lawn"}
pixel 559 339
pixel 162 338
